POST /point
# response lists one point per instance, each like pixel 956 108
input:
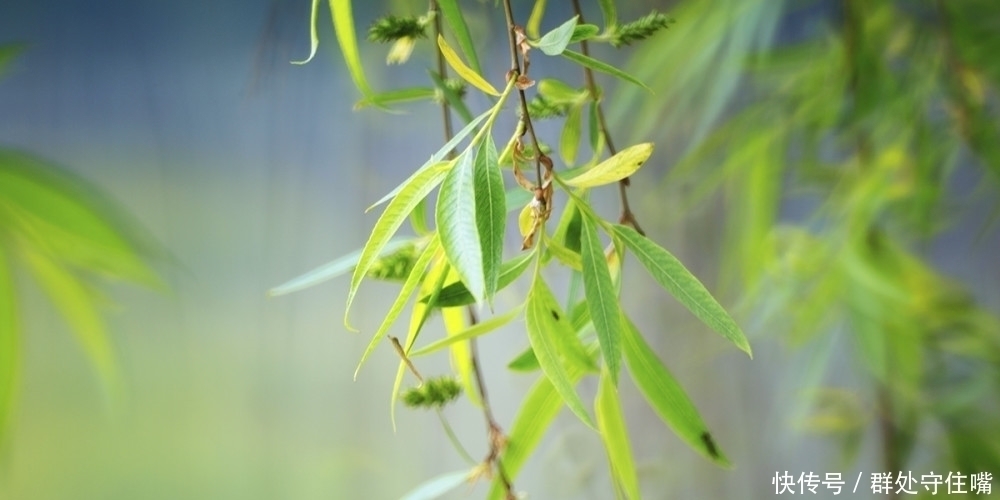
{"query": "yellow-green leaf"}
pixel 343 26
pixel 471 332
pixel 666 396
pixel 456 294
pixel 411 192
pixel 671 274
pixel 452 14
pixel 614 169
pixel 313 35
pixel 464 71
pixel 602 299
pixel 614 434
pixel 603 67
pixel 10 349
pixel 569 139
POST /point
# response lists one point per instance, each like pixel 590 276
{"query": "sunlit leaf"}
pixel 614 169
pixel 491 213
pixel 414 279
pixel 396 97
pixel 569 139
pixel 437 486
pixel 464 71
pixel 456 294
pixel 671 274
pixel 453 16
pixel 551 344
pixel 343 26
pixel 471 332
pixel 333 269
pixel 10 348
pixel 666 396
pixel 614 434
pixel 603 67
pixel 313 36
pixel 455 322
pixel 602 298
pixel 456 222
pixel 412 191
pixel 535 19
pixel 555 41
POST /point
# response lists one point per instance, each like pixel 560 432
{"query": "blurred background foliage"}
pixel 831 166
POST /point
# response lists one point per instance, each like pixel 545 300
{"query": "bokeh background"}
pixel 248 171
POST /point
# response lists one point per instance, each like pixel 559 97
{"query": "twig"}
pixel 498 441
pixel 627 216
pixel 406 359
pixel 517 71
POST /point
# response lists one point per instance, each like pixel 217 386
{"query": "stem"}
pixel 442 68
pixel 493 430
pixel 627 216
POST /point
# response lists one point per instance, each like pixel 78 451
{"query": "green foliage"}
pixel 457 266
pixel 391 28
pixel 433 393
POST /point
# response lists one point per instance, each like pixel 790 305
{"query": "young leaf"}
pixel 343 26
pixel 437 486
pixel 614 433
pixel 666 396
pixel 414 279
pixel 313 36
pixel 550 345
pixel 614 169
pixel 10 349
pixel 594 64
pixel 396 97
pixel 491 213
pixel 676 279
pixel 453 16
pixel 456 294
pixel 569 140
pixel 564 255
pixel 535 19
pixel 456 222
pixel 410 193
pixel 555 41
pixel 610 13
pixel 602 300
pixel 460 352
pixel 464 71
pixel 584 32
pixel 333 269
pixel 469 333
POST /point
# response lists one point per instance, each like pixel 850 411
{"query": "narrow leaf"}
pixel 343 26
pixel 666 396
pixel 412 191
pixel 414 279
pixel 10 349
pixel 491 213
pixel 602 300
pixel 535 19
pixel 564 255
pixel 464 71
pixel 456 294
pixel 614 433
pixel 460 352
pixel 453 16
pixel 456 222
pixel 435 158
pixel 471 332
pixel 603 67
pixel 569 139
pixel 555 41
pixel 610 13
pixel 313 36
pixel 616 168
pixel 437 486
pixel 333 269
pixel 549 343
pixel 396 97
pixel 584 32
pixel 671 274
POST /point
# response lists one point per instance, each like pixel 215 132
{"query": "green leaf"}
pixel 411 192
pixel 579 318
pixel 614 169
pixel 603 67
pixel 614 434
pixel 473 331
pixel 456 294
pixel 594 129
pixel 313 35
pixel 10 349
pixel 557 92
pixel 602 300
pixel 464 71
pixel 610 13
pixel 491 213
pixel 535 19
pixel 396 97
pixel 343 26
pixel 453 16
pixel 671 274
pixel 333 269
pixel 453 96
pixel 666 396
pixel 414 279
pixel 569 140
pixel 436 158
pixel 437 486
pixel 456 222
pixel 564 255
pixel 584 32
pixel 555 41
pixel 551 343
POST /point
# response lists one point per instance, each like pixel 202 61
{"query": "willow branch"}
pixel 519 69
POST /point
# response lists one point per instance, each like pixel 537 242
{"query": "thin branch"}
pixel 498 441
pixel 442 68
pixel 627 216
pixel 519 71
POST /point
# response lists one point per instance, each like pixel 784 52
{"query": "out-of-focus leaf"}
pixel 491 213
pixel 453 16
pixel 555 41
pixel 10 348
pixel 414 279
pixel 610 12
pixel 667 397
pixel 313 36
pixel 456 294
pixel 396 97
pixel 671 274
pixel 333 269
pixel 614 434
pixel 343 26
pixel 552 344
pixel 602 299
pixel 467 73
pixel 453 96
pixel 471 332
pixel 437 486
pixel 535 19
pixel 614 169
pixel 413 190
pixel 603 67
pixel 584 32
pixel 460 352
pixel 569 140
pixel 568 257
pixel 456 222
